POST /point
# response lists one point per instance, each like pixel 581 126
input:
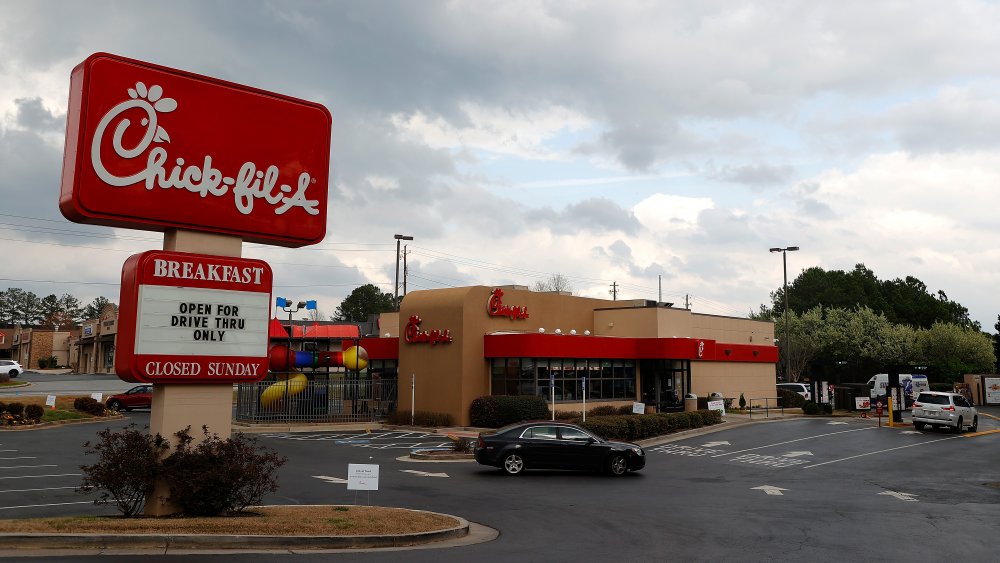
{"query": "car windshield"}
pixel 933 399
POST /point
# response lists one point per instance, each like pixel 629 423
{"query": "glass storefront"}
pixel 605 379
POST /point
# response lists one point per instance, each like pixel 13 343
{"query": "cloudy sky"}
pixel 607 142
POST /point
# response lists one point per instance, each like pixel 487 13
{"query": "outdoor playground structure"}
pixel 281 360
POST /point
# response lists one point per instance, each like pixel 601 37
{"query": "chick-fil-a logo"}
pixel 248 185
pixel 496 308
pixel 701 348
pixel 413 335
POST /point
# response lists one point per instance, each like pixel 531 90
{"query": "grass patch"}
pixel 265 521
pixel 57 415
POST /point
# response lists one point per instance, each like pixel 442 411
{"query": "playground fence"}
pixel 334 400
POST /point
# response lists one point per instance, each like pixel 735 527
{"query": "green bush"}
pixel 641 426
pixel 421 418
pixel 127 467
pixel 603 410
pixel 3 406
pixel 569 415
pixel 809 407
pixel 43 363
pixel 218 476
pixel 625 409
pixel 89 405
pixel 34 412
pixel 790 399
pixel 15 409
pixel 494 411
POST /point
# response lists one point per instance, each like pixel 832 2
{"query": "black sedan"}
pixel 555 445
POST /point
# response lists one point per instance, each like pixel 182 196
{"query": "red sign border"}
pixel 127 361
pixel 69 198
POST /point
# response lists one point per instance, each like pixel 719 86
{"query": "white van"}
pixel 912 385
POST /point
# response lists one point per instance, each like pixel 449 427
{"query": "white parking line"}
pixel 41 476
pixel 28 466
pixel 879 452
pixel 26 490
pixel 44 505
pixel 19 457
pixel 795 440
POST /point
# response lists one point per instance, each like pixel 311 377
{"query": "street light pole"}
pixel 788 342
pixel 395 293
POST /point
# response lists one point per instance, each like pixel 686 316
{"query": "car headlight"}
pixel 636 451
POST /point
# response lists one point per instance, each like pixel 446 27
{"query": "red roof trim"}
pixel 608 347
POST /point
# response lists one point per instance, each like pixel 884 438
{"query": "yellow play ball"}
pixel 355 358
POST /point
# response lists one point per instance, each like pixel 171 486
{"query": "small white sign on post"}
pixel 362 476
pixel 638 408
pixel 862 403
pixel 99 397
pixel 50 401
pixel 717 405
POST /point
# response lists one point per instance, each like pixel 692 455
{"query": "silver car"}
pixel 11 368
pixel 951 410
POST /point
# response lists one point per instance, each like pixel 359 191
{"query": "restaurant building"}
pixel 454 345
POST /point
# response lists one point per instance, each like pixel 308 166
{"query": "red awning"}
pixel 277 330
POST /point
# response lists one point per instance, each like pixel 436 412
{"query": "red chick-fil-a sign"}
pixel 413 335
pixel 496 308
pixel 154 148
pixel 193 318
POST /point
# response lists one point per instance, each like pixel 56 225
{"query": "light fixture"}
pixel 572 331
pixel 558 331
pixel 788 340
pixel 541 330
pixel 586 333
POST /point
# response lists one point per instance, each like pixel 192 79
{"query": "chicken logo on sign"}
pixel 204 179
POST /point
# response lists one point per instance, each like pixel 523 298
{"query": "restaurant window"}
pixel 563 378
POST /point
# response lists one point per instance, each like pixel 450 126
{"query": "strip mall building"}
pixel 461 343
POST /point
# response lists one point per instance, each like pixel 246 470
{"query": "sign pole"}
pixel 413 397
pixel 583 388
pixel 552 391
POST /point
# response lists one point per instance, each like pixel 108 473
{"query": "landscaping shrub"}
pixel 15 409
pixel 421 418
pixel 89 405
pixel 638 427
pixel 809 407
pixel 217 476
pixel 569 415
pixel 603 410
pixel 43 363
pixel 3 406
pixel 126 469
pixel 34 412
pixel 790 399
pixel 494 411
pixel 625 409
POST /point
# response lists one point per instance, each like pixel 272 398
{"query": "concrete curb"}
pixel 58 423
pixel 45 542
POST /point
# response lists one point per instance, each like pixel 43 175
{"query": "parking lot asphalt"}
pixel 784 488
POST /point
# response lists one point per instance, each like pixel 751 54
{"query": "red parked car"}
pixel 138 397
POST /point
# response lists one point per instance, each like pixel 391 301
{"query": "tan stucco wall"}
pixel 450 376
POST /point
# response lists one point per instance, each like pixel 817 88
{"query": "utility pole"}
pixel 659 288
pixel 405 252
pixel 396 284
pixel 614 291
pixel 687 301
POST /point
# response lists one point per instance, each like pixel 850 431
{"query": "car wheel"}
pixel 918 425
pixel 115 405
pixel 975 424
pixel 13 373
pixel 617 465
pixel 513 464
pixel 958 427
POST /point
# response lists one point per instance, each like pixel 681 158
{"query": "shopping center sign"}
pixel 192 318
pixel 154 148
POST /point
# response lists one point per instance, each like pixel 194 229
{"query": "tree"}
pixel 952 351
pixel 808 337
pixel 996 344
pixel 363 302
pixel 70 306
pixel 93 311
pixel 555 282
pixel 50 306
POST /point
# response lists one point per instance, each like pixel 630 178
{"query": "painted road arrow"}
pixel 331 479
pixel 912 432
pixel 713 444
pixel 901 496
pixel 769 489
pixel 796 454
pixel 424 473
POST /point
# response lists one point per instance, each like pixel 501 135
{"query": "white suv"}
pixel 11 368
pixel 944 409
